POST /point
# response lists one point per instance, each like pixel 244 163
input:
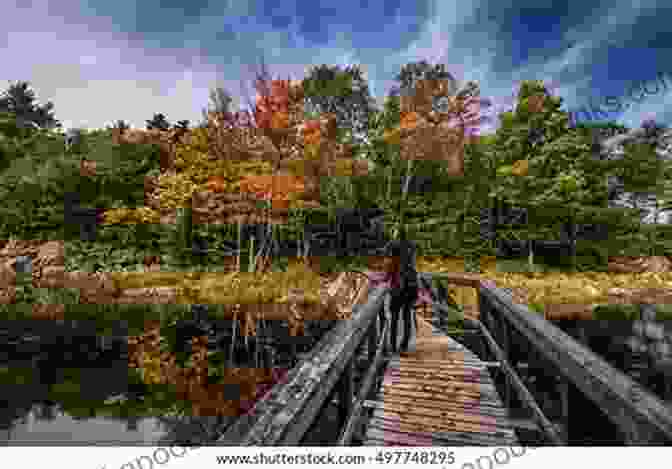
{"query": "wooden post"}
pixel 345 392
pixel 373 339
pixel 504 337
pixel 268 356
pixel 524 394
pixel 563 387
pixel 483 312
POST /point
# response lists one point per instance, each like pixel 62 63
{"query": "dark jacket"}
pixel 407 275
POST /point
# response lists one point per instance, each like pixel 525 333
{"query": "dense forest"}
pixel 315 162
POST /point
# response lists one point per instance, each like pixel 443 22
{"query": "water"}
pixel 46 424
pixel 78 390
pixel 641 348
pixel 69 389
pixel 49 403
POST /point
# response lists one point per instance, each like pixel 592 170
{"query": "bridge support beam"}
pixel 563 388
pixel 345 393
pixel 506 347
pixel 373 341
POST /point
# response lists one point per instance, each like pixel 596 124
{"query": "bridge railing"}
pixel 283 417
pixel 598 402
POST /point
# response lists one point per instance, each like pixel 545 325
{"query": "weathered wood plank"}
pixel 418 424
pixel 466 401
pixel 453 389
pixel 390 433
pixel 455 414
pixel 477 409
pixel 382 437
pixel 450 359
pixel 445 364
pixel 454 374
pixel 449 365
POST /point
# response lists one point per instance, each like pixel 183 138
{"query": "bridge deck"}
pixel 439 394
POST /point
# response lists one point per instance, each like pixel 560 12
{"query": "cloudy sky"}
pixel 100 60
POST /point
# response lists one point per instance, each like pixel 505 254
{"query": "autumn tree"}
pixel 220 102
pixel 411 74
pixel 382 121
pixel 344 93
pixel 436 133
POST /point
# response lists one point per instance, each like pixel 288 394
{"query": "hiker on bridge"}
pixel 404 292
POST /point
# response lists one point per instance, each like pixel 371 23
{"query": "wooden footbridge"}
pixel 509 377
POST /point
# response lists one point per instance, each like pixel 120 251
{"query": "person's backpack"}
pixel 408 272
pixel 405 251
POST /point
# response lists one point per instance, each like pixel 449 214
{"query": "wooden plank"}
pixel 423 389
pixel 448 362
pixel 466 375
pixel 381 430
pixel 455 357
pixel 453 413
pixel 461 399
pixel 451 364
pixel 428 391
pixel 478 390
pixel 446 366
pixel 383 437
pixel 422 423
pixel 466 402
pixel 480 409
pixel 413 424
pixel 443 366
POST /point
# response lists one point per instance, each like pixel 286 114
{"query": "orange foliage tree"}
pixel 425 133
pixel 428 134
pixel 301 152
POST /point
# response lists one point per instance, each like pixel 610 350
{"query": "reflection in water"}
pixel 64 429
pixel 641 348
pixel 50 399
pixel 66 386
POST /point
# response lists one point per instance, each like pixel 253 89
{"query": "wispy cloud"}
pixel 102 61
